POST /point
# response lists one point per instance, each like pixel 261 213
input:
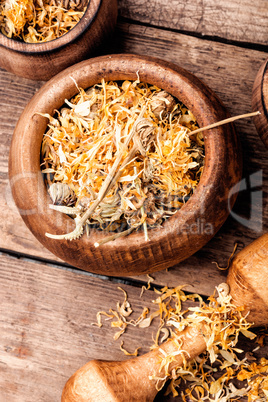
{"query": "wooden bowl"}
pixel 260 102
pixel 41 61
pixel 181 235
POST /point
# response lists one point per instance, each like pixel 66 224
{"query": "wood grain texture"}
pixel 243 21
pixel 46 330
pixel 110 381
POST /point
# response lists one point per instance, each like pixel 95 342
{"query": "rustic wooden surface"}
pixel 229 20
pixel 47 307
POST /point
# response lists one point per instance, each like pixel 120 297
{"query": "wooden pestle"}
pixel 248 280
pixel 129 380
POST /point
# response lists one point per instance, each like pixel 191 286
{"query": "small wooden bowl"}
pixel 181 235
pixel 41 61
pixel 260 102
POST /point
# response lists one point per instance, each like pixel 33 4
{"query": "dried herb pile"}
pixel 35 21
pixel 215 374
pixel 123 156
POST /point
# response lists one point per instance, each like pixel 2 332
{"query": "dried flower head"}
pixel 162 104
pixel 61 194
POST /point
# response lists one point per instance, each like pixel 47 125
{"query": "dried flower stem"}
pixel 113 237
pixel 110 179
pixel 225 121
pixel 142 208
pixel 112 174
pixel 229 260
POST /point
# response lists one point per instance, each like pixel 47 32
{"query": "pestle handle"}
pixel 128 380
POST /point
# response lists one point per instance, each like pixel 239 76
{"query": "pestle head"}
pixel 248 280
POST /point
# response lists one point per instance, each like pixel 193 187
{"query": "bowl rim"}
pixel 259 101
pixel 223 169
pixel 55 44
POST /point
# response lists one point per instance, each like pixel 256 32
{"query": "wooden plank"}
pixel 234 20
pixel 46 330
pixel 15 93
pixel 230 72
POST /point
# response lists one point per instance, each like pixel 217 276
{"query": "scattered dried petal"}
pixel 135 353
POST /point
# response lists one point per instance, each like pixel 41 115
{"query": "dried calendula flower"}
pixel 223 291
pixel 124 309
pixel 135 353
pixel 256 375
pixel 62 194
pixel 39 20
pixel 162 104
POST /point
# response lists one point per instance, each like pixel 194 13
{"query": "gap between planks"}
pixel 62 266
pixel 192 34
pixel 160 278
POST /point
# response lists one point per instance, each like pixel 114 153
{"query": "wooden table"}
pixel 46 307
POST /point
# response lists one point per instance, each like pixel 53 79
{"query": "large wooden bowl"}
pixel 260 102
pixel 182 234
pixel 41 61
